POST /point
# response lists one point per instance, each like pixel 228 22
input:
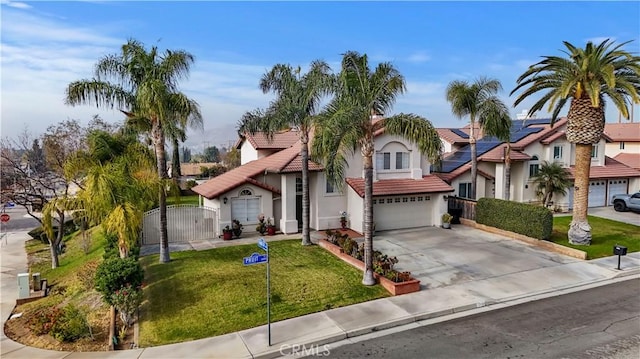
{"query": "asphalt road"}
pixel 18 221
pixel 603 322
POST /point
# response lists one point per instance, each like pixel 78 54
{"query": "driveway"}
pixel 609 213
pixel 442 257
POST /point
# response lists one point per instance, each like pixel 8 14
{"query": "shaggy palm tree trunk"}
pixel 158 141
pixel 579 229
pixel 176 171
pixel 368 278
pixel 306 238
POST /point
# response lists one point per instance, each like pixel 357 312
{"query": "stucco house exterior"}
pixel 534 141
pixel 624 146
pixel 269 182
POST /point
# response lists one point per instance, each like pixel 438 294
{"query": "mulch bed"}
pixel 349 231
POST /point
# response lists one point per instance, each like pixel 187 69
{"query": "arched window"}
pixel 534 166
pixel 246 192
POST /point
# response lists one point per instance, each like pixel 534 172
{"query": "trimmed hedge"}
pixel 526 219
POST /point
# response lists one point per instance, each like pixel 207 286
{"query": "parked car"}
pixel 625 202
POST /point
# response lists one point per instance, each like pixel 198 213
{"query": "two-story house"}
pixel 534 141
pixel 624 145
pixel 405 193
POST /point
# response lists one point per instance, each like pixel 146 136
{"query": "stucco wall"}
pixel 613 149
pixel 247 153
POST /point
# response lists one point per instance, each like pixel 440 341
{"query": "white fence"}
pixel 184 223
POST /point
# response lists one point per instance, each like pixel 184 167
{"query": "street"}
pixel 18 221
pixel 603 322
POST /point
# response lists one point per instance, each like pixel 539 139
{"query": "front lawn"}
pixel 193 199
pixel 605 234
pixel 209 293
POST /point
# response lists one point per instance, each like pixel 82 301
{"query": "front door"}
pixel 299 202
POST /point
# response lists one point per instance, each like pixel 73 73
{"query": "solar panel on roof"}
pixel 460 133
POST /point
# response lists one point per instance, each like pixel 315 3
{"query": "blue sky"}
pixel 46 45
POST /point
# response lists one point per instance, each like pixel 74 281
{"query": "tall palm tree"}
pixel 348 124
pixel 497 122
pixel 145 87
pixel 297 104
pixel 584 78
pixel 551 179
pixel 478 101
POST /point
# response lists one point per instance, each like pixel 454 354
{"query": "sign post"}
pixel 256 258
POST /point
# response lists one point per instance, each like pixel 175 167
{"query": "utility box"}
pixel 35 278
pixel 619 250
pixel 23 285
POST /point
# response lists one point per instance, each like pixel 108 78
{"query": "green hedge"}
pixel 529 220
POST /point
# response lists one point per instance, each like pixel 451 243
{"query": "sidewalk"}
pixel 347 322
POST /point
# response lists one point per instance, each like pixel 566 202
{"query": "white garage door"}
pixel 597 193
pixel 402 212
pixel 246 210
pixel 617 186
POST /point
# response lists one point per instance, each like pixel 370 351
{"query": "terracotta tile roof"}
pixel 451 136
pixel 448 177
pixel 497 155
pixel 281 140
pixel 611 169
pixel 553 137
pixel 243 174
pixel 389 187
pixel 629 159
pixel 296 166
pixel 623 131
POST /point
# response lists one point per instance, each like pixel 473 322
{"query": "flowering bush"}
pixel 343 215
pixel 127 300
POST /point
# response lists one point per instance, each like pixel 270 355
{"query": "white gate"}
pixel 184 223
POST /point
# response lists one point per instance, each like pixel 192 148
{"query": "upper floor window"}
pixel 534 166
pixel 594 151
pixel 557 152
pixel 402 160
pixel 329 187
pixel 621 145
pixel 298 185
pixel 383 160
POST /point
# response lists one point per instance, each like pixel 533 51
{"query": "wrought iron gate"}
pixel 184 223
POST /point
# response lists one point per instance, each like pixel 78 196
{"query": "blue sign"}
pixel 255 258
pixel 263 245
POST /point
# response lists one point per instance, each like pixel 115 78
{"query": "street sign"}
pixel 263 245
pixel 5 217
pixel 255 258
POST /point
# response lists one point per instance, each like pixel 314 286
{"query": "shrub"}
pixel 191 183
pixel 71 325
pixel 43 320
pixel 526 219
pixel 127 300
pixel 111 249
pixel 115 273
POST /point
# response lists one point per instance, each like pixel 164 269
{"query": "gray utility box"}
pixel 619 250
pixel 23 285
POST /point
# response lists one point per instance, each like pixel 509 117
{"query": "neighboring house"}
pixel 190 171
pixel 256 146
pixel 534 141
pixel 405 194
pixel 625 143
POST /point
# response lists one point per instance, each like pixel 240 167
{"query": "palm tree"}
pixel 551 179
pixel 145 87
pixel 584 79
pixel 297 104
pixel 348 124
pixel 478 101
pixel 497 123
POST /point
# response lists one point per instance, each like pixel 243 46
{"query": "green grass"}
pixel 209 293
pixel 182 200
pixel 605 234
pixel 70 262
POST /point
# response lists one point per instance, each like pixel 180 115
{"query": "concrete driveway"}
pixel 610 213
pixel 442 257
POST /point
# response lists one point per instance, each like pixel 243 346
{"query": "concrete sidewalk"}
pixel 347 322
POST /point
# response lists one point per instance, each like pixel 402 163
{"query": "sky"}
pixel 45 45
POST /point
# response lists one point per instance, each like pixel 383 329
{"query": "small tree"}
pixel 551 179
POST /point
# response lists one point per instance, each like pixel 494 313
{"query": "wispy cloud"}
pixel 15 4
pixel 419 57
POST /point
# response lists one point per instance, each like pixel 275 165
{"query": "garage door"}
pixel 246 210
pixel 597 193
pixel 402 212
pixel 617 186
